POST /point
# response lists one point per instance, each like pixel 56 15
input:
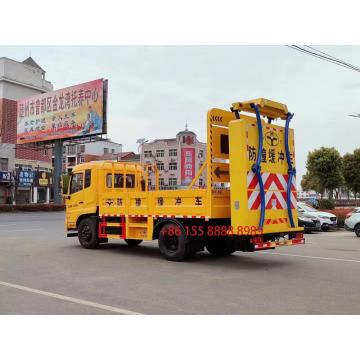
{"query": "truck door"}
pixel 75 198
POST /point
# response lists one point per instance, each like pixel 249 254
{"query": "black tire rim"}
pixel 171 243
pixel 85 233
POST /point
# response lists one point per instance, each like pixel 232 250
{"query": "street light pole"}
pixel 141 142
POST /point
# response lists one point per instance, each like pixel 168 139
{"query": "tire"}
pixel 173 242
pixel 87 234
pixel 324 227
pixel 220 246
pixel 357 230
pixel 131 242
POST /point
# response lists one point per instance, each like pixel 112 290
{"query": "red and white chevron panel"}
pixel 275 186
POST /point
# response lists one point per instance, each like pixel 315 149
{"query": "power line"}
pixel 333 57
pixel 326 57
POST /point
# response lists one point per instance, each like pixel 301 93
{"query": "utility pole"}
pixel 58 155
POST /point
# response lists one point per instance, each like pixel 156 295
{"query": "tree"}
pixel 325 165
pixel 351 171
pixel 65 179
pixel 310 182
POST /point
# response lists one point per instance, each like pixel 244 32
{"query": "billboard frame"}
pixel 51 142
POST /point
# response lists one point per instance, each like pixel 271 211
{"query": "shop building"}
pixel 19 80
pixel 75 154
pixel 177 159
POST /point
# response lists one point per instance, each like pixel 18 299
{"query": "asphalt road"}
pixel 43 272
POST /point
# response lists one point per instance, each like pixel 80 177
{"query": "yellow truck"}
pixel 249 203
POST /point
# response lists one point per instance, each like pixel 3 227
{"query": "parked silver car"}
pixel 327 220
pixel 352 221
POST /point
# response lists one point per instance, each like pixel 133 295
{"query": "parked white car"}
pixel 327 220
pixel 352 222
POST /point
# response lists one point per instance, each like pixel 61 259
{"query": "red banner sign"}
pixel 187 165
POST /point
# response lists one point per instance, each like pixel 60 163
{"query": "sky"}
pixel 155 90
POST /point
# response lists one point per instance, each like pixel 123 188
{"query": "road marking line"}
pixel 311 257
pixel 71 299
pixel 21 230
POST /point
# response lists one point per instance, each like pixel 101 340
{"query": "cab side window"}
pixel 77 182
pixel 118 180
pixel 87 178
pixel 108 180
pixel 130 181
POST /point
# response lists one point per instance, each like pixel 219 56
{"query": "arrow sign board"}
pixel 220 172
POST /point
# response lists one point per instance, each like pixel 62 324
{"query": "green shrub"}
pixel 326 204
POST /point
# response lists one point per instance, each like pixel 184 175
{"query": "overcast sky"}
pixel 154 90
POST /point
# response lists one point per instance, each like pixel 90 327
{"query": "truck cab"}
pixel 91 179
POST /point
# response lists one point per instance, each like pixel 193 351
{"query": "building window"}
pixel 201 182
pixel 161 182
pixel 45 152
pixel 82 159
pixel 113 151
pixel 200 165
pixel 160 166
pixel 173 166
pixel 71 161
pixel 173 152
pixel 149 182
pixel 201 153
pixel 71 149
pixel 160 153
pixel 172 181
pixel 4 164
pixel 106 150
pixel 148 153
pixel 82 148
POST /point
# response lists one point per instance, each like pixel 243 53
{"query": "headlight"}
pixel 324 217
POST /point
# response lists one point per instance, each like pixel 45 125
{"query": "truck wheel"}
pixel 220 246
pixel 173 242
pixel 87 234
pixel 132 242
pixel 357 230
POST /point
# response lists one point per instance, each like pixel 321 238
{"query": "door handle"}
pixel 81 202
